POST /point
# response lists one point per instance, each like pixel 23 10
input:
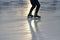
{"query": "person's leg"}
pixel 30 12
pixel 33 6
pixel 37 8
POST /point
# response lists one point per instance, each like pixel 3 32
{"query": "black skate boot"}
pixel 36 16
pixel 30 16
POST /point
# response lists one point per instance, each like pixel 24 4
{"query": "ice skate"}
pixel 36 16
pixel 30 16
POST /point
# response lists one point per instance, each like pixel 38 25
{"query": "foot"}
pixel 30 16
pixel 37 16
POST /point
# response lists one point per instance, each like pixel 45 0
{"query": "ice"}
pixel 14 24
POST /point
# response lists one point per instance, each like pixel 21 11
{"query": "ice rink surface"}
pixel 14 24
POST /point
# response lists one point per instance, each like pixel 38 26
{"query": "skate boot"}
pixel 36 16
pixel 30 16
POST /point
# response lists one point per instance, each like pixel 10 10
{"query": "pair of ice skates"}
pixel 35 16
